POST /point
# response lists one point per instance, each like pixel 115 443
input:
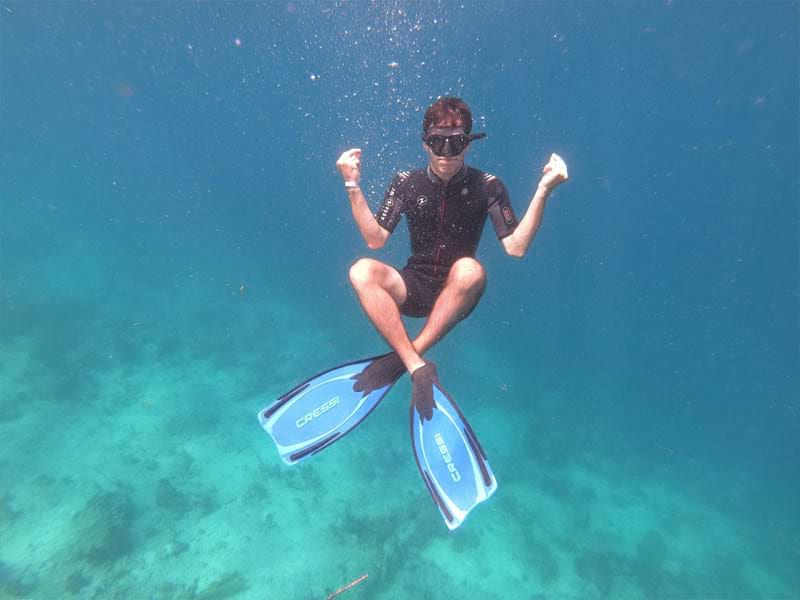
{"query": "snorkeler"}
pixel 446 205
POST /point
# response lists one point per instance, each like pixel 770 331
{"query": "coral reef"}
pixel 12 585
pixel 103 528
pixel 7 511
pixel 596 569
pixel 76 581
pixel 169 498
pixel 543 562
pixel 228 585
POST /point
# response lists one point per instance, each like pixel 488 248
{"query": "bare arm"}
pixel 373 233
pixel 517 243
pixel 349 165
pixel 555 173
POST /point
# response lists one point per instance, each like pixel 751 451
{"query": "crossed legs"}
pixel 381 291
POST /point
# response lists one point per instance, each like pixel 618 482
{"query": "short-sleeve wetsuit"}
pixel 445 222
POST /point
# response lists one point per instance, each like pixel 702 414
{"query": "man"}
pixel 446 206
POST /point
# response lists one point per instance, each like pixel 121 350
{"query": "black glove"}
pixel 422 380
pixel 383 371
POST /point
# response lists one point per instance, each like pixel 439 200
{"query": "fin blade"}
pixel 450 459
pixel 319 411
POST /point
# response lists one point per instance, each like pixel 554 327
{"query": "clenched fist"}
pixel 555 173
pixel 349 165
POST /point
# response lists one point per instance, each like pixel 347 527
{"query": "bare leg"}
pixel 460 294
pixel 381 291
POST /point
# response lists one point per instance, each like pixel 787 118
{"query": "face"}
pixel 445 166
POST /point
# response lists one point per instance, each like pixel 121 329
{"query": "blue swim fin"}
pixel 320 411
pixel 450 459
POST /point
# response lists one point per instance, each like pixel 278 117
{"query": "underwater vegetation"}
pixel 103 528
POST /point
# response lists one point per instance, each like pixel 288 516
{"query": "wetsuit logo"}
pixel 451 466
pixel 507 216
pixel 421 201
pixel 321 409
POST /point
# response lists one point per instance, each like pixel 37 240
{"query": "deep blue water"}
pixel 169 200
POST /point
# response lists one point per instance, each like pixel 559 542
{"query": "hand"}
pixel 555 173
pixel 349 165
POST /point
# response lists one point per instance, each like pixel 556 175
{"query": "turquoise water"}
pixel 175 247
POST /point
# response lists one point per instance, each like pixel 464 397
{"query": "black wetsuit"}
pixel 445 223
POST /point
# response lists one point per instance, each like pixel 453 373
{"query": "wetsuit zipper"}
pixel 441 233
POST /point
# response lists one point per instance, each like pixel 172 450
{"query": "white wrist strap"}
pixel 351 184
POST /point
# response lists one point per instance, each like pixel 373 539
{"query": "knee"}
pixel 468 274
pixel 362 272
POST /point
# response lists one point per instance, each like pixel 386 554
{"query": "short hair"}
pixel 448 111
